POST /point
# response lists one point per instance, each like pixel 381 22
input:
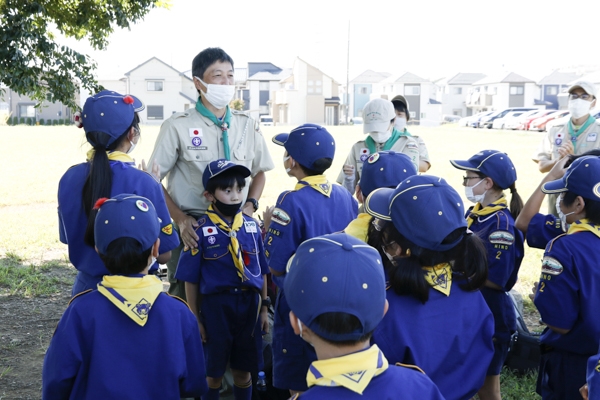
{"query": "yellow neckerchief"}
pixel 317 182
pixel 582 225
pixel 234 245
pixel 477 211
pixel 112 156
pixel 353 371
pixel 359 227
pixel 132 295
pixel 439 277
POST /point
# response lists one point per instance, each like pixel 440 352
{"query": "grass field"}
pixel 34 159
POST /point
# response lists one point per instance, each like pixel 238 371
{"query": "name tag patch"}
pixel 250 227
pixel 592 137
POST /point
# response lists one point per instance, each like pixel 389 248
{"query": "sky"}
pixel 432 39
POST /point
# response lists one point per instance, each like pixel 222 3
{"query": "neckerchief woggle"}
pixel 317 182
pixel 583 226
pixel 234 245
pixel 439 277
pixel 353 371
pixel 387 145
pixel 223 124
pixel 477 211
pixel 132 295
pixel 575 134
pixel 112 156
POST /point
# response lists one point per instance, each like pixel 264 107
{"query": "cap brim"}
pixel 557 186
pixel 465 165
pixel 376 127
pixel 281 138
pixel 377 203
pixel 138 105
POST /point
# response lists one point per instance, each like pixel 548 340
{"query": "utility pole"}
pixel 348 76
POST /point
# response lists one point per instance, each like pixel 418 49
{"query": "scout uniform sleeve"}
pixel 593 376
pixel 63 358
pixel 544 151
pixel 542 229
pixel 262 259
pixel 167 147
pixel 169 239
pixel 193 384
pixel 262 158
pixel 423 152
pixel 284 233
pixel 350 160
pixel 505 251
pixel 556 299
pixel 190 262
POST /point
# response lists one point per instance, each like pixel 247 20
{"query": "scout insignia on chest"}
pixel 364 154
pixel 211 240
pixel 551 266
pixel 591 137
pixel 558 138
pixel 280 216
pixel 250 227
pixel 196 141
pixel 501 237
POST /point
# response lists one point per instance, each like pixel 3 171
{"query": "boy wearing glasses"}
pixel 579 134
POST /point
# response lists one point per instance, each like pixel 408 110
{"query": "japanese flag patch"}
pixel 195 132
pixel 209 230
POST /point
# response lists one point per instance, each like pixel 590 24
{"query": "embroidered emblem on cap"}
pixel 373 158
pixel 141 204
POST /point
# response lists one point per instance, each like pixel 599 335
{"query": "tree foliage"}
pixel 33 64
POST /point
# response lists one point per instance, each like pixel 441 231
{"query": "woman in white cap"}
pixel 111 126
pixel 437 319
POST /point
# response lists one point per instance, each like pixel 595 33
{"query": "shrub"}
pixel 54 122
pixel 29 121
pixel 48 122
pixel 61 121
pixel 22 120
pixel 42 121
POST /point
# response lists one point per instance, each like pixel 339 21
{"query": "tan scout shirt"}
pixel 412 146
pixel 559 134
pixel 188 142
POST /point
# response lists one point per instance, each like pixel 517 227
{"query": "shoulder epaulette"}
pixel 284 194
pixel 411 367
pixel 237 112
pixel 80 294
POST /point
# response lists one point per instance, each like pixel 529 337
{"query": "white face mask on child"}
pixel 475 198
pixel 400 124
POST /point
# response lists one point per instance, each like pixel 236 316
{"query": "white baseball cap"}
pixel 377 115
pixel 586 86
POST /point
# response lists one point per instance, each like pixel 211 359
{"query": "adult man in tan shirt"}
pixel 190 140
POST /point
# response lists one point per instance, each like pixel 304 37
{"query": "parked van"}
pixel 266 120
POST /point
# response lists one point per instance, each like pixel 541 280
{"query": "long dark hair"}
pixel 516 202
pixel 98 182
pixel 467 259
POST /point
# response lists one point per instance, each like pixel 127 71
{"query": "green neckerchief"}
pixel 575 134
pixel 223 124
pixel 403 133
pixel 388 144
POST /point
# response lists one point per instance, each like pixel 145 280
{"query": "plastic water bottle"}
pixel 261 383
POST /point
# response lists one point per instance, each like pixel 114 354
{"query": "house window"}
pixel 155 86
pixel 310 90
pixel 3 106
pixel 363 90
pixel 412 114
pixel 516 90
pixel 457 90
pixel 26 110
pixel 412 90
pixel 318 90
pixel 263 85
pixel 552 90
pixel 155 112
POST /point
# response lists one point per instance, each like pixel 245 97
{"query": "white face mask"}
pixel 132 147
pixel 285 158
pixel 579 107
pixel 474 198
pixel 152 261
pixel 562 216
pixel 400 123
pixel 217 95
pixel 380 137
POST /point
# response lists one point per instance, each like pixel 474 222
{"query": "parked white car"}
pixel 515 122
pixel 500 123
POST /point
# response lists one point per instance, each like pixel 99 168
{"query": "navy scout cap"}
pixel 582 178
pixel 307 144
pixel 385 169
pixel 336 273
pixel 492 163
pixel 219 166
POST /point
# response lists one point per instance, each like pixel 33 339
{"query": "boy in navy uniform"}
pixel 315 207
pixel 109 343
pixel 336 290
pixel 567 293
pixel 225 280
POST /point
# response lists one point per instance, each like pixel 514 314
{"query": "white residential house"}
pixel 307 96
pixel 420 94
pixel 163 89
pixel 452 93
pixel 503 90
pixel 552 85
pixel 261 88
pixel 361 89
